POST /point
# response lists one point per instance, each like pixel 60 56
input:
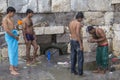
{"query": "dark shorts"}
pixel 29 37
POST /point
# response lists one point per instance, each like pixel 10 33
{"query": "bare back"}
pixel 73 27
pixel 101 34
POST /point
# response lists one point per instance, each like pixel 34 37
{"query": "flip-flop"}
pixel 28 64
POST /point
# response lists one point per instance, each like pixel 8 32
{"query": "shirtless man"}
pixel 11 38
pixel 98 36
pixel 29 36
pixel 76 44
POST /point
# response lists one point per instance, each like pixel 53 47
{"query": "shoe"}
pixel 75 73
pixel 82 75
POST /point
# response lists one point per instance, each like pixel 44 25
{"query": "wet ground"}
pixel 45 70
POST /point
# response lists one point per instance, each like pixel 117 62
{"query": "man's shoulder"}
pixel 100 30
pixel 24 20
pixel 4 19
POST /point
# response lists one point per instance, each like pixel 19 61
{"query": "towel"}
pixel 12 44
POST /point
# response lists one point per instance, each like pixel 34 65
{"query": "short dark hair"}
pixel 10 9
pixel 79 15
pixel 89 28
pixel 29 11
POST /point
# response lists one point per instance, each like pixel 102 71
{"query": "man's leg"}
pixel 73 58
pixel 104 54
pixel 34 43
pixel 80 62
pixel 13 70
pixel 28 46
pixel 98 60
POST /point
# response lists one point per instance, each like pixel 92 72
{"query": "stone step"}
pixel 49 30
pixel 115 2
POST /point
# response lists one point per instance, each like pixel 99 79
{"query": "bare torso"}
pixel 9 23
pixel 73 28
pixel 28 26
pixel 98 35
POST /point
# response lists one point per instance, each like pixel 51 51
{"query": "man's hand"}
pixel 26 41
pixel 81 48
pixel 16 37
pixel 92 40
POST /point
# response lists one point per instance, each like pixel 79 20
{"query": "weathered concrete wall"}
pixel 60 12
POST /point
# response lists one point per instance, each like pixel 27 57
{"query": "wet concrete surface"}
pixel 45 70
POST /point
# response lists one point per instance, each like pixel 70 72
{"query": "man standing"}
pixel 76 44
pixel 98 36
pixel 29 36
pixel 11 38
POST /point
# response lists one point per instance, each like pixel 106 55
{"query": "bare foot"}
pixel 34 61
pixel 28 62
pixel 10 69
pixel 96 71
pixel 103 71
pixel 16 68
pixel 14 73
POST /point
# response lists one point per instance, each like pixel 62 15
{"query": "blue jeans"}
pixel 76 55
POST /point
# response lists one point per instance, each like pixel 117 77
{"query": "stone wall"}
pixel 103 13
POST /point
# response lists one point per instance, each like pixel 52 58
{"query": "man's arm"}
pixel 4 24
pixel 24 30
pixel 101 34
pixel 34 34
pixel 78 29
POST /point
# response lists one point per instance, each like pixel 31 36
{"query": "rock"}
pixel 115 2
pixel 39 30
pixel 117 17
pixel 88 5
pixel 94 18
pixel 49 30
pixel 44 6
pixel 117 7
pixel 21 39
pixel 22 5
pixel 89 47
pixel 54 30
pixel 63 18
pixel 60 5
pixel 63 38
pixel 3 7
pixel 43 39
pixel 85 34
pixel 109 17
pixel 116 49
pixel 47 17
pixel 108 31
pixel 68 48
pixel 22 50
pixel 116 35
pixel 116 27
pixel 4 52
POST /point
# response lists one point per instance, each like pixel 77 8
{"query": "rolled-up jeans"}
pixel 76 55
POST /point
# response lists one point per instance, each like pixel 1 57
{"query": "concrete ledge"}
pixel 115 2
pixel 2 33
pixel 49 30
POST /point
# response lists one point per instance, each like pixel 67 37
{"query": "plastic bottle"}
pixel 48 55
